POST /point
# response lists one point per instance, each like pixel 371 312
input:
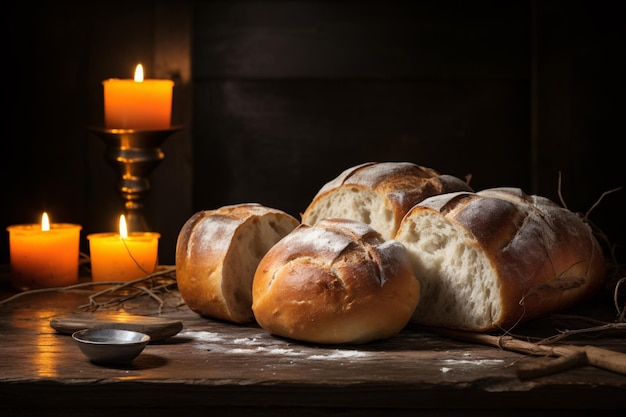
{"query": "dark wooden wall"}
pixel 289 94
pixel 278 97
pixel 58 55
pixel 519 93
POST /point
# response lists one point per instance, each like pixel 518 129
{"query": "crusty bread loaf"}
pixel 491 259
pixel 379 194
pixel 336 282
pixel 217 253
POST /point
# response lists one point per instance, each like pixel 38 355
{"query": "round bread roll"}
pixel 499 257
pixel 379 194
pixel 336 282
pixel 217 252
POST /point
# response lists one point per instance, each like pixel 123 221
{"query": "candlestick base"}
pixel 134 154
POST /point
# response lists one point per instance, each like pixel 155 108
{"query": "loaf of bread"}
pixel 336 282
pixel 379 194
pixel 499 257
pixel 217 253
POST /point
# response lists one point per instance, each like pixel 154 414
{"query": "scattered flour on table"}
pixel 341 354
pixel 478 362
pixel 202 336
pixel 471 362
pixel 216 342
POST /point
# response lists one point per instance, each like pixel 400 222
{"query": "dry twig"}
pixel 588 330
pixel 571 354
pixel 621 310
pixel 158 282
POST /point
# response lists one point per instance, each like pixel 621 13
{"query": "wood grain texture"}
pixel 158 328
pixel 369 39
pixel 335 83
pixel 213 365
pixel 278 142
pixel 288 95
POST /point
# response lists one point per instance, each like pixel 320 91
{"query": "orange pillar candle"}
pixel 124 256
pixel 44 255
pixel 137 104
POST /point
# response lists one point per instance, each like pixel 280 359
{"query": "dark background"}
pixel 278 97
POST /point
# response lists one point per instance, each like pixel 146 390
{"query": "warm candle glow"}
pixel 44 255
pixel 123 256
pixel 140 104
pixel 123 227
pixel 45 222
pixel 139 73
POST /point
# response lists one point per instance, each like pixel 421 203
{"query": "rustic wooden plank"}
pixel 173 178
pixel 277 142
pixel 212 364
pixel 288 95
pixel 371 39
pixel 581 89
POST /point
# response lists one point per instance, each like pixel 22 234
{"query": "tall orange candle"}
pixel 124 256
pixel 44 255
pixel 137 104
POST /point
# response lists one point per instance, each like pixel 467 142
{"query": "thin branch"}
pixel 113 286
pixel 596 329
pixel 44 290
pixel 597 203
pixel 621 311
pixel 598 357
pixel 559 192
pixel 563 318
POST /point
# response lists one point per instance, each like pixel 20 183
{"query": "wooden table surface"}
pixel 215 368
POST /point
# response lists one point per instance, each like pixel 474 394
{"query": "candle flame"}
pixel 139 73
pixel 123 228
pixel 45 222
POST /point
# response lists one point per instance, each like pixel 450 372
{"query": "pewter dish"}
pixel 113 346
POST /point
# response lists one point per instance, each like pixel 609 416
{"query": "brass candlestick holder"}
pixel 134 154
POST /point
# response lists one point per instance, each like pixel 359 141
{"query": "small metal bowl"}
pixel 113 346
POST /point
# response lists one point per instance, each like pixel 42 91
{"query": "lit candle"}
pixel 124 256
pixel 137 104
pixel 44 255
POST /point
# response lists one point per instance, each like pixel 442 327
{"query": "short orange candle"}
pixel 137 104
pixel 44 255
pixel 124 256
